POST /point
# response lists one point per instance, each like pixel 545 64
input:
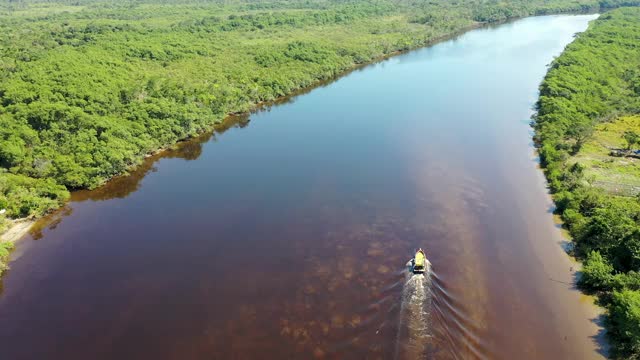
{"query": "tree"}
pixel 580 133
pixel 624 319
pixel 596 273
pixel 605 231
pixel 631 138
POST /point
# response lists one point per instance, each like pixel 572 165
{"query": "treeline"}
pixel 596 79
pixel 89 87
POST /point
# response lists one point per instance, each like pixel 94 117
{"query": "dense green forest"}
pixel 88 88
pixel 596 82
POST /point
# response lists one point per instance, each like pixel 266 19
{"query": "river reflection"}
pixel 122 186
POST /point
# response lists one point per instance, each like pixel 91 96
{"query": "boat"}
pixel 419 262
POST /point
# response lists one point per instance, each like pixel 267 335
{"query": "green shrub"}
pixel 23 196
pixel 5 248
pixel 624 321
pixel 3 223
pixel 597 274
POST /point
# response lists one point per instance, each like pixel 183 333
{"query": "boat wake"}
pixel 415 316
pixel 415 310
pixel 431 323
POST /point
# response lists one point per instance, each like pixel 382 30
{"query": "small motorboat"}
pixel 419 262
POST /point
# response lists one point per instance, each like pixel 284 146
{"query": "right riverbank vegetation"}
pixel 587 129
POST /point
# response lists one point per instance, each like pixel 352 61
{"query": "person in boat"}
pixel 419 261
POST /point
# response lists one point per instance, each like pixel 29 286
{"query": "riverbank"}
pixel 14 230
pixel 585 116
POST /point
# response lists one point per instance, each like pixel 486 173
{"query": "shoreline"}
pixel 16 230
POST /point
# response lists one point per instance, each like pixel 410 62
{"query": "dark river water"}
pixel 285 234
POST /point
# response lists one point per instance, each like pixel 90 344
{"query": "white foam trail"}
pixel 413 328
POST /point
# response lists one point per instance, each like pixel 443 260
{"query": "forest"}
pixel 595 85
pixel 88 88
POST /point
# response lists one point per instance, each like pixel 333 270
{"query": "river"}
pixel 284 234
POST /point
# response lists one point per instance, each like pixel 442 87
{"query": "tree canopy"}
pixel 89 87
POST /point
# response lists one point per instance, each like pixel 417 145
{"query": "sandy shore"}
pixel 17 229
